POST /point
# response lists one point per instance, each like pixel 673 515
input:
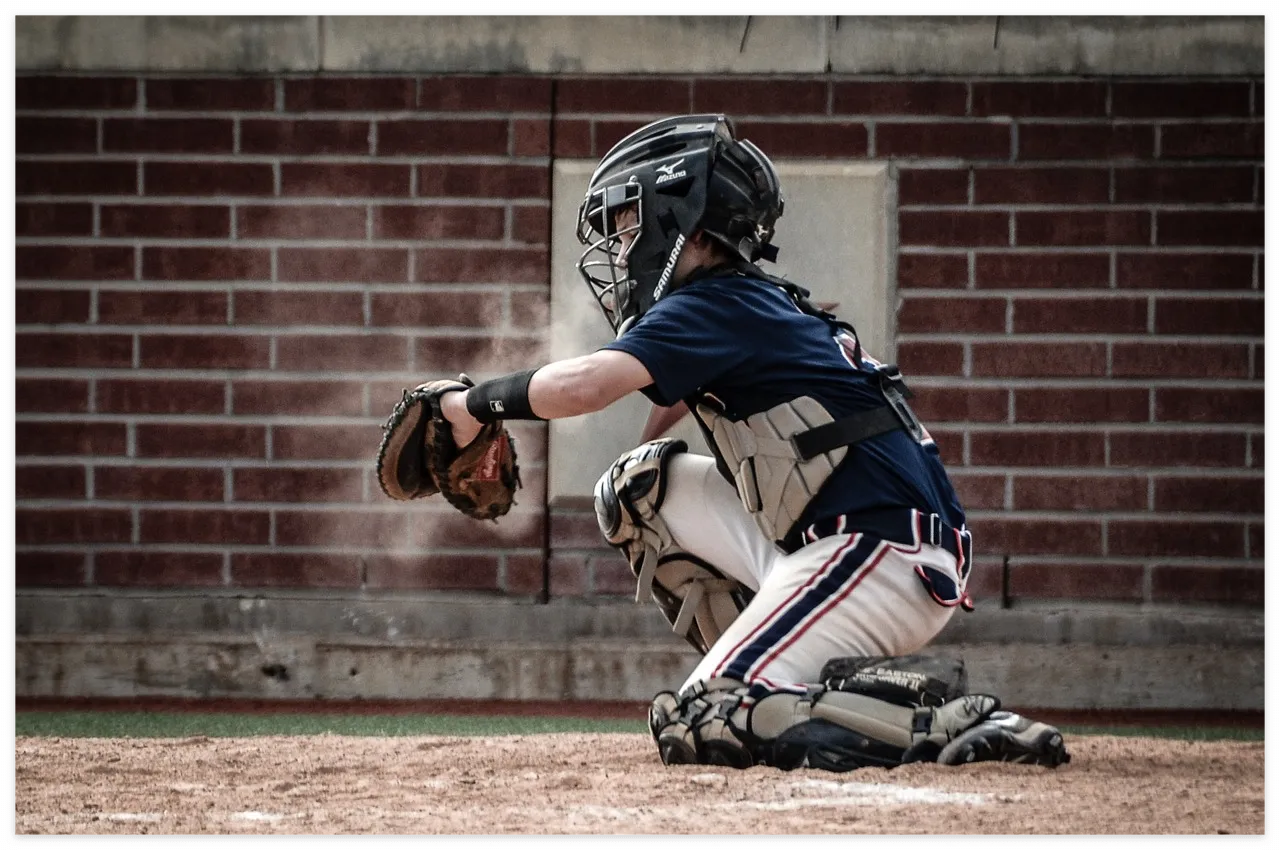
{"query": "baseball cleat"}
pixel 1006 736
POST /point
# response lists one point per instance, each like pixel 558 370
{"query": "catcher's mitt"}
pixel 419 458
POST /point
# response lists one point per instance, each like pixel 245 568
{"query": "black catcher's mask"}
pixel 675 176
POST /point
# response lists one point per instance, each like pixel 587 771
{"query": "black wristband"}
pixel 502 398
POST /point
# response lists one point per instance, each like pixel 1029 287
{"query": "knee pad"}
pixel 727 723
pixel 697 599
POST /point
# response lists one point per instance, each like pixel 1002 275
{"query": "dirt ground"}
pixel 612 784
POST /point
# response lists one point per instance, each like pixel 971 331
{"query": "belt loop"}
pixel 935 529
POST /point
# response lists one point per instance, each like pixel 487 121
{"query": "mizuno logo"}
pixel 669 172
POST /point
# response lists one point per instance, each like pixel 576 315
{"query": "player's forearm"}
pixel 582 385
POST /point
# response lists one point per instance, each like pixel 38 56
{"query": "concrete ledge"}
pixel 1062 45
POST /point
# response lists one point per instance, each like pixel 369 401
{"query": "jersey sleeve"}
pixel 686 341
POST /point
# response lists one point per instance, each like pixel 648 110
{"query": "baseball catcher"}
pixel 821 547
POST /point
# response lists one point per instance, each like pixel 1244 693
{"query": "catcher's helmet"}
pixel 680 174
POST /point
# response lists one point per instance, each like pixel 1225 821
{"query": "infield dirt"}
pixel 612 784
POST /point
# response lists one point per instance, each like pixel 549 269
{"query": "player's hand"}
pixel 465 426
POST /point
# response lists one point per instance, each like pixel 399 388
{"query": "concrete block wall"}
pixel 223 283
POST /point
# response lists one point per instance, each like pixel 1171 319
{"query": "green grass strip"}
pixel 123 724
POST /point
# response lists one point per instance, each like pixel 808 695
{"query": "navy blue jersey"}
pixel 745 342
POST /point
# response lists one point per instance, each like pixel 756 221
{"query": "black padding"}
pixel 846 432
pixel 824 745
pixel 908 680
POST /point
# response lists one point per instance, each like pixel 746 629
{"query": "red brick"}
pixel 1038 537
pixel 49 569
pixel 572 138
pixel 953 228
pixel 1036 448
pixel 305 138
pixel 952 315
pixel 1120 582
pixel 436 309
pixel 69 438
pixel 323 442
pixel 531 225
pixel 1184 271
pixel 839 139
pixel 53 220
pixel 479 353
pixel 342 352
pixel 626 94
pixel 1208 404
pixel 979 492
pixel 1259 97
pixel 358 265
pixel 221 263
pixel 950 443
pixel 934 271
pixel 323 398
pixel 201 441
pixel 1094 404
pixel 567 574
pixel 162 308
pixel 1179 99
pixel 78 351
pixel 531 310
pixel 1205 316
pixel 443 137
pixel 55 135
pixel 1080 315
pixel 1040 99
pixel 485 93
pixel 281 484
pixel 738 96
pixel 530 137
pixel 345 180
pixel 900 97
pixel 1176 539
pixel 970 404
pixel 438 221
pixel 167 135
pixel 1207 185
pixel 51 395
pixel 290 307
pixel 158 484
pixel 159 396
pixel 524 575
pixel 272 569
pixel 1208 583
pixel 216 527
pixel 182 351
pixel 931 358
pixel 347 528
pixel 166 220
pixel 491 265
pixel 208 179
pixel 1086 141
pixel 357 94
pixel 433 572
pixel 49 482
pixel 575 530
pixel 610 576
pixel 1210 494
pixel 1041 186
pixel 239 94
pixel 1079 493
pixel 1219 227
pixel 1127 227
pixel 452 530
pixel 37 528
pixel 326 221
pixel 1211 141
pixel 1256 542
pixel 1176 449
pixel 50 306
pixel 1039 359
pixel 157 569
pixel 75 92
pixel 963 140
pixel 1179 360
pixel 483 181
pixel 933 186
pixel 79 262
pixel 66 177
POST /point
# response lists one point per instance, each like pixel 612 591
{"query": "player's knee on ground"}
pixel 697 599
pixel 724 722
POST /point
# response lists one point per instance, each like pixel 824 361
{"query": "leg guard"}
pixel 903 680
pixel 697 599
pixel 724 722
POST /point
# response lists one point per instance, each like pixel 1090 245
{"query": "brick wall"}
pixel 224 283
